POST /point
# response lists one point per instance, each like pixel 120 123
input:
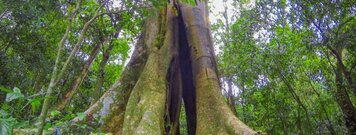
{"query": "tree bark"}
pixel 109 110
pixel 173 59
pixel 54 76
pixel 342 68
pixel 78 80
pixel 213 114
pixel 101 72
pixel 343 99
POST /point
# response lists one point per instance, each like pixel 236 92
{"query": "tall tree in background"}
pixel 334 26
pixel 285 58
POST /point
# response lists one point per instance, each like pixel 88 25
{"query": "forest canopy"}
pixel 108 66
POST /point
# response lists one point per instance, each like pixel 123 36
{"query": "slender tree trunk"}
pixel 52 83
pixel 328 124
pixel 341 67
pixel 100 81
pixel 101 72
pixel 298 100
pixel 37 82
pixel 230 96
pixel 56 77
pixel 243 101
pixel 78 80
pixel 299 122
pixel 343 98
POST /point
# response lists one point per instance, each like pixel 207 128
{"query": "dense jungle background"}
pixel 285 66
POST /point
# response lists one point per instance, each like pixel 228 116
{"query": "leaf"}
pixel 3 113
pixel 5 127
pixel 35 104
pixel 55 113
pixel 47 126
pixel 111 29
pixel 5 89
pixel 69 116
pixel 14 95
pixel 81 115
pixel 21 124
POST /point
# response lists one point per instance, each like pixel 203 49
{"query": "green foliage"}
pixel 30 32
pixel 5 89
pixel 183 130
pixel 282 70
pixel 8 123
pixel 14 95
pixel 35 104
pixel 5 126
pixel 191 2
pixel 121 47
pixel 55 113
pixel 277 54
pixel 159 3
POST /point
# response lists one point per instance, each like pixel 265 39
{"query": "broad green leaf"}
pixel 5 127
pixel 35 104
pixel 14 95
pixel 47 126
pixel 4 89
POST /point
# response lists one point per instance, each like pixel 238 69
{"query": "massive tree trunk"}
pixel 173 60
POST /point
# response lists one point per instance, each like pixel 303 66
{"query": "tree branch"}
pixel 79 42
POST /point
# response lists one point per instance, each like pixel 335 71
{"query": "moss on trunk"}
pixel 109 110
pixel 146 108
